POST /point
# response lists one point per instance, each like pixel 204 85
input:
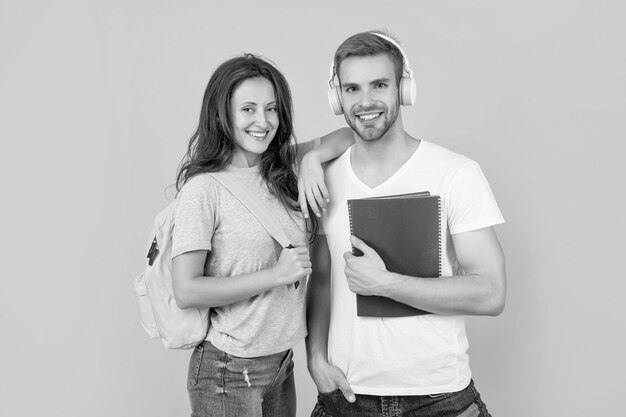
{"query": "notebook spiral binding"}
pixel 350 216
pixel 355 251
pixel 439 215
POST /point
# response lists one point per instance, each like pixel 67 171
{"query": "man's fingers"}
pixel 302 201
pixel 312 202
pixel 325 192
pixel 344 385
pixel 346 389
pixel 359 244
pixel 319 198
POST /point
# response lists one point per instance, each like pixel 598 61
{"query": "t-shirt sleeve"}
pixel 194 219
pixel 470 202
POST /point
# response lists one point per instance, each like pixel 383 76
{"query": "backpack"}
pixel 160 315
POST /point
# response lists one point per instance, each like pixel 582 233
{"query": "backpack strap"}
pixel 256 207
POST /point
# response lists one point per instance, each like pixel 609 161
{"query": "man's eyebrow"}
pixel 347 85
pixel 381 80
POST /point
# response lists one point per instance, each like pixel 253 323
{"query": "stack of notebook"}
pixel 405 231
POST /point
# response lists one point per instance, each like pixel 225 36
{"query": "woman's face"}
pixel 254 114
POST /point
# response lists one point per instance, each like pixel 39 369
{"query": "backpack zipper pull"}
pixel 153 252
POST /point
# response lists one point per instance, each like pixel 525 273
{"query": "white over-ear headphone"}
pixel 407 89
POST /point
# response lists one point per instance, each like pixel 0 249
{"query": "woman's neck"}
pixel 245 161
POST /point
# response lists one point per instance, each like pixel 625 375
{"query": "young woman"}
pixel 222 257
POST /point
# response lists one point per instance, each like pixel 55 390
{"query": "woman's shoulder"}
pixel 199 184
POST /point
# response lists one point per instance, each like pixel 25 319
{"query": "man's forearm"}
pixel 465 294
pixel 480 290
pixel 318 302
pixel 318 319
pixel 333 144
pixel 326 376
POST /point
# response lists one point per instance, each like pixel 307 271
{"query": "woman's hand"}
pixel 311 187
pixel 293 265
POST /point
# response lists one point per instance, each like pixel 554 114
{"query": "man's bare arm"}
pixel 311 187
pixel 481 290
pixel 327 377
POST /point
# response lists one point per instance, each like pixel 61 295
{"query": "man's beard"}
pixel 372 133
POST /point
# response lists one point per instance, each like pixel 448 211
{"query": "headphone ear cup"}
pixel 408 91
pixel 335 101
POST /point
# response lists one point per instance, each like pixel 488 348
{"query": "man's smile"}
pixel 368 117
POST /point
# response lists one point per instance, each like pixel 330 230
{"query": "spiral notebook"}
pixel 405 230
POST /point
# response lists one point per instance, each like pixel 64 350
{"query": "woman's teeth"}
pixel 258 135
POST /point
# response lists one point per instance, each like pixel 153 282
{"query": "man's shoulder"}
pixel 440 160
pixel 442 154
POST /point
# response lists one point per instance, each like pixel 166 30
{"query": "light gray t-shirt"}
pixel 209 217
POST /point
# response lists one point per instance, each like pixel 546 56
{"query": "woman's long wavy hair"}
pixel 212 146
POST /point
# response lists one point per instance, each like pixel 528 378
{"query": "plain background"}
pixel 99 98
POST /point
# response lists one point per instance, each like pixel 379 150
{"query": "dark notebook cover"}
pixel 405 231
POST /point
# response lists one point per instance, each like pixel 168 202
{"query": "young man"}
pixel 416 365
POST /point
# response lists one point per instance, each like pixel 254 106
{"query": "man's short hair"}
pixel 367 44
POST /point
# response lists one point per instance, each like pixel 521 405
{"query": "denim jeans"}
pixel 464 403
pixel 224 385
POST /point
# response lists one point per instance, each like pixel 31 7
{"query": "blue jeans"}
pixel 224 385
pixel 464 403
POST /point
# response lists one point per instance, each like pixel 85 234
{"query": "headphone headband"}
pixel 405 60
pixel 407 89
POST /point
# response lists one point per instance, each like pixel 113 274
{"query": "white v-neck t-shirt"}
pixel 414 355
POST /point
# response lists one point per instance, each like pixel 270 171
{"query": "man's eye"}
pixel 381 85
pixel 350 90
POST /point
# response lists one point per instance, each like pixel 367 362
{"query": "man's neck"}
pixel 374 162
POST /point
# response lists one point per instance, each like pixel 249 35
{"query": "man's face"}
pixel 369 95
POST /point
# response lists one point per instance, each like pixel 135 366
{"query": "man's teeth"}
pixel 368 117
pixel 259 135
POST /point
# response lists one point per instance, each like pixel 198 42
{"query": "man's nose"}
pixel 365 98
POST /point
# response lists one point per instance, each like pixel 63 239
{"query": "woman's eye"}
pixel 272 109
